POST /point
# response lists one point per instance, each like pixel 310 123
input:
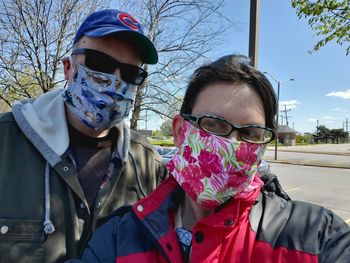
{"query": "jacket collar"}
pixel 168 195
pixel 156 214
pixel 44 123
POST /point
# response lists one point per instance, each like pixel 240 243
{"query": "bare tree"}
pixel 34 37
pixel 184 32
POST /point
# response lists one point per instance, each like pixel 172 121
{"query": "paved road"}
pixel 315 173
pixel 328 187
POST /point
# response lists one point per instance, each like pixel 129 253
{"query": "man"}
pixel 214 207
pixel 67 158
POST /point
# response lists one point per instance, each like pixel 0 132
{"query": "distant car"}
pixel 163 150
pixel 166 158
pixel 264 167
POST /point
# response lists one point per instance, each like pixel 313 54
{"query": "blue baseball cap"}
pixel 115 22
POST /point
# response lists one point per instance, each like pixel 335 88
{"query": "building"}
pixel 286 135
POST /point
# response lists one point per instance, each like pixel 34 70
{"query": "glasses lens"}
pixel 133 74
pixel 99 61
pixel 256 134
pixel 215 126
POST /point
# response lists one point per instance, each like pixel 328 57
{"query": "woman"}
pixel 213 207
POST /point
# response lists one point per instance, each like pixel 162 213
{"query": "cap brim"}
pixel 146 48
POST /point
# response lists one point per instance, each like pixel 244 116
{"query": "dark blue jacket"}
pixel 263 228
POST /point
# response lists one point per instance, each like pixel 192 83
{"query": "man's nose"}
pixel 117 73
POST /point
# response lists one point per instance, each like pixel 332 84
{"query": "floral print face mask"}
pixel 99 99
pixel 212 169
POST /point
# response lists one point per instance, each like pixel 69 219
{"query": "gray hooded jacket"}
pixel 44 216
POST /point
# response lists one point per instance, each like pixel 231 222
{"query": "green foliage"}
pixel 167 142
pixel 4 107
pixel 25 87
pixel 323 134
pixel 339 136
pixel 165 128
pixel 330 19
pixel 155 133
pixel 304 139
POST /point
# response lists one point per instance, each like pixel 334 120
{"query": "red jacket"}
pixel 262 228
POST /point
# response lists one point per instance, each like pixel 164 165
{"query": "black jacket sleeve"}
pixel 335 240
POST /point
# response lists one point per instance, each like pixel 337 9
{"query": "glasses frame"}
pixel 197 121
pixel 114 64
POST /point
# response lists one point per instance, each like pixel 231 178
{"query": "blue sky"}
pixel 321 90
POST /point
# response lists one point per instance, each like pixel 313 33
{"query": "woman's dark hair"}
pixel 235 69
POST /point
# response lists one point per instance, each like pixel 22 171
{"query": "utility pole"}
pixel 317 130
pixel 254 31
pixel 347 127
pixel 285 111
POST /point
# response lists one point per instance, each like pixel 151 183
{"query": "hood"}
pixel 43 121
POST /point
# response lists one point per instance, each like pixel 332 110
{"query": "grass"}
pixel 165 142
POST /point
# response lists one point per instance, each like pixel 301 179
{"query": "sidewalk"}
pixel 341 150
pixel 333 149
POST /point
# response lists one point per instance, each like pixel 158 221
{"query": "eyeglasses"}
pixel 99 61
pixel 215 125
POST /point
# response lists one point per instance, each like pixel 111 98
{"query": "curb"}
pixel 310 164
pixel 315 152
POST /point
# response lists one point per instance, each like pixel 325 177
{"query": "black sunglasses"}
pixel 99 61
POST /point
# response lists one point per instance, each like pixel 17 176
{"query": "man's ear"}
pixel 67 67
pixel 177 130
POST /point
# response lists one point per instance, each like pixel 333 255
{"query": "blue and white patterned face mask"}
pixel 99 99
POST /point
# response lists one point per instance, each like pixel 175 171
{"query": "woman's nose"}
pixel 234 135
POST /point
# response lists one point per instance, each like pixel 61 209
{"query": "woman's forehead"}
pixel 237 103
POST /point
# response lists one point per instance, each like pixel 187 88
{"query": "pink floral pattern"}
pixel 212 169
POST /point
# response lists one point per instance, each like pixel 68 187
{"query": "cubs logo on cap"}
pixel 128 21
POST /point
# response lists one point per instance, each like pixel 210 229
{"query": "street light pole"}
pixel 278 110
pixel 279 82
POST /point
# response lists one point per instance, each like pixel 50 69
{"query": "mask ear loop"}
pixel 72 65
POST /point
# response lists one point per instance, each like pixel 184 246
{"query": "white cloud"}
pixel 290 104
pixel 332 118
pixel 328 118
pixel 312 120
pixel 341 94
pixel 336 109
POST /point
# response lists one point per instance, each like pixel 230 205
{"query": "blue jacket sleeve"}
pixel 102 246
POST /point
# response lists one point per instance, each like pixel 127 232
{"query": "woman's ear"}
pixel 177 130
pixel 67 68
